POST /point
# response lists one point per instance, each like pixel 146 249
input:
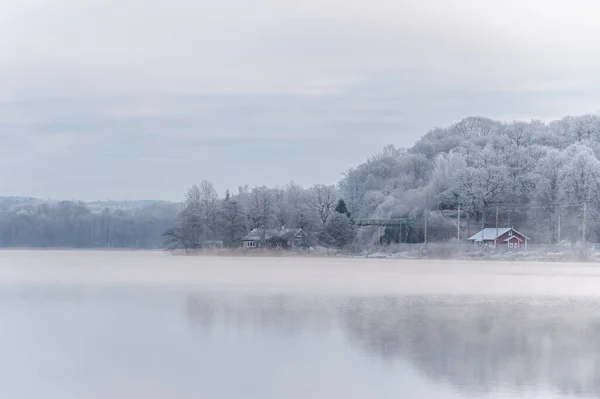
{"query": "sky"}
pixel 140 99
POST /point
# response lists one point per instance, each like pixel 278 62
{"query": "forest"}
pixel 27 222
pixel 542 178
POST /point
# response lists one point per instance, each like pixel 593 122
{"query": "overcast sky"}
pixel 139 99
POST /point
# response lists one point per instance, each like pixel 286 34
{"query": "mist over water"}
pixel 59 339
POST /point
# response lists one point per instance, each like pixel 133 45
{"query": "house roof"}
pixel 284 233
pixel 489 234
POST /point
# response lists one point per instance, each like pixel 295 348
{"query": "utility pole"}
pixel 483 219
pixel 584 222
pixel 495 239
pixel 468 225
pixel 458 227
pixel 425 227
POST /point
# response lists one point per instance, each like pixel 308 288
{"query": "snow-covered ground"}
pixel 540 253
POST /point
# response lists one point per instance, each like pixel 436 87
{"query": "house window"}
pixel 510 232
pixel 510 244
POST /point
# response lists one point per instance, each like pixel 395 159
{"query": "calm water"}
pixel 145 325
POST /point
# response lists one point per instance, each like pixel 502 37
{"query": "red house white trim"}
pixel 506 237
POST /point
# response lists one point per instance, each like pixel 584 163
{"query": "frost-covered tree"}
pixel 261 210
pixel 548 180
pixel 339 231
pixel 443 184
pixel 580 175
pixel 302 215
pixel 233 222
pixel 580 188
pixel 191 219
pixel 530 173
pixel 322 199
pixel 198 220
pixel 481 185
pixel 210 206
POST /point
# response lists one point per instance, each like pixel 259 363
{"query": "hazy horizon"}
pixel 132 99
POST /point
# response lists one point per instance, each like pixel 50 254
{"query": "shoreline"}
pixel 567 255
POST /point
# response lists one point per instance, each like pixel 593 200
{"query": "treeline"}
pixel 206 217
pixel 69 224
pixel 540 178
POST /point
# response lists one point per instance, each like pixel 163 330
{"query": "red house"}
pixel 506 237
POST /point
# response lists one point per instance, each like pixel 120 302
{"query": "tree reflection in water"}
pixel 476 344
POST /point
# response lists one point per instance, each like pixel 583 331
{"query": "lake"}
pixel 94 324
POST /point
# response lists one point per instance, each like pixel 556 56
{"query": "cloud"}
pixel 133 98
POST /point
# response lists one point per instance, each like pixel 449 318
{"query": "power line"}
pixel 516 207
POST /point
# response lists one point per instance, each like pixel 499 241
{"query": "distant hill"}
pixel 97 206
pixel 542 178
pixel 32 222
pixel 17 203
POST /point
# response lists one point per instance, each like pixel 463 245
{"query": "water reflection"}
pixel 478 345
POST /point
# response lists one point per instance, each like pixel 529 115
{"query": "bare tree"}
pixel 322 198
pixel 261 210
pixel 177 238
pixel 233 221
pixel 191 223
pixel 209 202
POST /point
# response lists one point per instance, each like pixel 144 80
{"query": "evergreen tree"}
pixel 342 208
